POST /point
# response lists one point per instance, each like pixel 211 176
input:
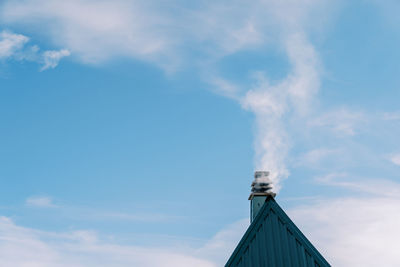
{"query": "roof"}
pixel 274 240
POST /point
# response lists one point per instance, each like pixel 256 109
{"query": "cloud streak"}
pixel 21 246
pixel 342 121
pixel 40 201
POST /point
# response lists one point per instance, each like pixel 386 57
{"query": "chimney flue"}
pixel 261 188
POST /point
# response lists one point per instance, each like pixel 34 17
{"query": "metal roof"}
pixel 274 240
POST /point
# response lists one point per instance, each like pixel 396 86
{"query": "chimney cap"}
pixel 262 185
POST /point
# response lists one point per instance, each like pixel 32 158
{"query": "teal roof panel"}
pixel 274 240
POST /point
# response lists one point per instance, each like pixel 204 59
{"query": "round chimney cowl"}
pixel 262 184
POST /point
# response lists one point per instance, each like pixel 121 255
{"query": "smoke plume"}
pixel 200 37
pixel 272 104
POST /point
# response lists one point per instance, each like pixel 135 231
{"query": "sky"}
pixel 130 130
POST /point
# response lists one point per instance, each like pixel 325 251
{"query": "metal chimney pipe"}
pixel 261 188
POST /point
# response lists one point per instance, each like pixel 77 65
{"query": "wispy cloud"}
pixel 51 58
pixel 94 214
pixel 224 87
pixel 121 216
pixel 342 121
pixel 314 157
pixel 391 116
pixel 221 245
pixel 21 246
pixel 40 201
pixel 10 43
pixel 358 230
pixel 378 187
pixel 96 31
pixel 354 231
pixel 395 159
pixel 14 46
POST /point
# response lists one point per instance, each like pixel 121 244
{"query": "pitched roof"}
pixel 274 240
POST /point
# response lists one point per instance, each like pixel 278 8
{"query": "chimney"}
pixel 261 188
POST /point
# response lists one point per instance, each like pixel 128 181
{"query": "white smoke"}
pixel 202 35
pixel 272 103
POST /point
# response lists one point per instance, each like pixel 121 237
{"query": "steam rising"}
pixel 272 103
pixel 200 35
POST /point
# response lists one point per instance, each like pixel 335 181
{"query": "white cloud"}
pixel 40 201
pixel 395 159
pixel 223 29
pixel 222 245
pixel 164 34
pixel 358 230
pixel 380 187
pixel 353 231
pixel 225 88
pixel 51 58
pixel 13 46
pixel 21 246
pixel 10 43
pixel 96 31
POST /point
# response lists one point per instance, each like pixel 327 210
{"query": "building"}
pixel 272 239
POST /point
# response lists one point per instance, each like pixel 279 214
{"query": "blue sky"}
pixel 130 128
